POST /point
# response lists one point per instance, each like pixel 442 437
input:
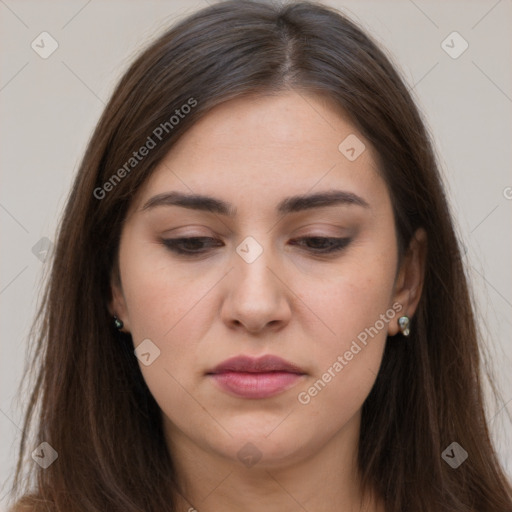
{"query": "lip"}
pixel 263 364
pixel 262 377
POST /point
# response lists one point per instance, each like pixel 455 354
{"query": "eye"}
pixel 188 246
pixel 194 246
pixel 326 245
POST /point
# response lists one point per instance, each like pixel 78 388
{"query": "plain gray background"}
pixel 48 108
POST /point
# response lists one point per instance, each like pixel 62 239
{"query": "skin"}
pixel 291 302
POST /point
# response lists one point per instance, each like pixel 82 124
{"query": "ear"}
pixel 410 278
pixel 117 302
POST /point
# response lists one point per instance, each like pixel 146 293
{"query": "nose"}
pixel 258 297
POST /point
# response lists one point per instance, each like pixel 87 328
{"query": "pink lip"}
pixel 262 377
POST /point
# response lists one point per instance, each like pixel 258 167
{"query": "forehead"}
pixel 298 122
pixel 268 147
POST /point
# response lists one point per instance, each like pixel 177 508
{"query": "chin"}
pixel 267 445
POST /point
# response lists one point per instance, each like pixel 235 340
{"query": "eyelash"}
pixel 336 244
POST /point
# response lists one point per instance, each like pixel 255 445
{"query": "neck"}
pixel 325 480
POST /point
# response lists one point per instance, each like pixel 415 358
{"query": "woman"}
pixel 257 298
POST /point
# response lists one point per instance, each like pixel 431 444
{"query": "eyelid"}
pixel 336 231
pixel 336 245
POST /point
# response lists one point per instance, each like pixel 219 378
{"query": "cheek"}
pixel 171 309
pixel 159 294
pixel 347 365
pixel 356 308
pixel 173 305
pixel 352 299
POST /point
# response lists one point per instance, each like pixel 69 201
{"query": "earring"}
pixel 403 324
pixel 118 323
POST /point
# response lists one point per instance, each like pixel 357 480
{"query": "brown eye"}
pixel 325 245
pixel 189 246
pixel 192 246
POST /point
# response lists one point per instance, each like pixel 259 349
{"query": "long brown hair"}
pixel 89 397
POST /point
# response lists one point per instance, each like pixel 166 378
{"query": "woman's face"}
pixel 260 280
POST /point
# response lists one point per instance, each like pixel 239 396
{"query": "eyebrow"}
pixel 288 205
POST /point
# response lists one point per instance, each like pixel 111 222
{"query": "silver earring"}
pixel 118 323
pixel 403 324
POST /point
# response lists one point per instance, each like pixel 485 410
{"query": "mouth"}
pixel 256 378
